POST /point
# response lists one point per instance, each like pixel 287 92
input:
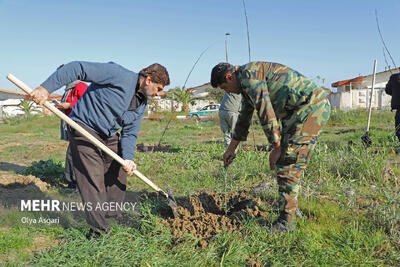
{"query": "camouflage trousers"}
pixel 299 135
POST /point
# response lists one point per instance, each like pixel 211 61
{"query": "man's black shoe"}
pixel 71 187
pixel 93 234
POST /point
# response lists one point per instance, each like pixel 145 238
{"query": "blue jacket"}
pixel 104 106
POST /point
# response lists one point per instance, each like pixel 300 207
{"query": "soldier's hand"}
pixel 63 106
pixel 230 152
pixel 129 166
pixel 40 95
pixel 228 158
pixel 274 156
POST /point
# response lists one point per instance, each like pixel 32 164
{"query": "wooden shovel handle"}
pixel 83 132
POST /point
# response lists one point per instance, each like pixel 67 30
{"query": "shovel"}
pixel 97 143
pixel 365 138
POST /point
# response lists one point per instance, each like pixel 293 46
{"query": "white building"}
pixel 201 90
pixel 355 93
pixel 160 104
pixel 173 105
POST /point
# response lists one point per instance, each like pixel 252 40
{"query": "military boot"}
pixel 284 223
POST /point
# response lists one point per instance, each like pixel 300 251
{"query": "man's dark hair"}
pixel 218 73
pixel 157 72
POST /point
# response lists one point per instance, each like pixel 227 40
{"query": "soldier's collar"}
pixel 239 78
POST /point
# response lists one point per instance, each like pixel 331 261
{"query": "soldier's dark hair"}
pixel 157 72
pixel 218 73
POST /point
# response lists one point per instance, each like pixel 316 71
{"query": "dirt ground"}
pixel 14 187
pixel 150 148
pixel 202 215
pixel 11 180
pixel 248 147
pixel 209 213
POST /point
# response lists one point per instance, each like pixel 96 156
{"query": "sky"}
pixel 332 40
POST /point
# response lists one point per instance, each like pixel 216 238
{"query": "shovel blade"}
pixel 367 142
pixel 172 203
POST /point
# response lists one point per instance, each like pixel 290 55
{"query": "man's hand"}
pixel 40 95
pixel 230 152
pixel 63 106
pixel 228 157
pixel 274 156
pixel 129 167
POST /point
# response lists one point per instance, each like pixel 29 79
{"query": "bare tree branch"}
pixel 383 41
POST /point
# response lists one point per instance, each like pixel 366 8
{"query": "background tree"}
pixel 182 95
pixel 320 80
pixel 215 94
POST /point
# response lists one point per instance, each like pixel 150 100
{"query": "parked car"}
pixel 205 112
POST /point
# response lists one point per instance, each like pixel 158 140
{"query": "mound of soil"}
pixel 209 213
pixel 11 181
pixel 150 148
pixel 345 131
pixel 257 148
pixel 14 187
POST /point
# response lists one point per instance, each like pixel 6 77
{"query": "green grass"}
pixel 349 200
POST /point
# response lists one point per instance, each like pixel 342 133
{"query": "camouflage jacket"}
pixel 276 92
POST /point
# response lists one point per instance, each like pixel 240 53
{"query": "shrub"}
pixel 28 108
pixel 47 170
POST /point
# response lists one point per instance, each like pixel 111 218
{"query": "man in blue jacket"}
pixel 116 99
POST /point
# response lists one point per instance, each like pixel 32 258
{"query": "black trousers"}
pixel 100 179
pixel 397 123
pixel 69 166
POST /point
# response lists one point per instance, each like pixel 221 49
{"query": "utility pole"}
pixel 226 45
pixel 247 27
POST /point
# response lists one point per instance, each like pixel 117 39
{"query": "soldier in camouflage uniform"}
pixel 292 111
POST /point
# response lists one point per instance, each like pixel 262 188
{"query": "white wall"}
pixel 10 108
pixel 334 99
pixel 345 101
pixel 6 95
pixel 381 79
pixel 359 99
pixel 167 104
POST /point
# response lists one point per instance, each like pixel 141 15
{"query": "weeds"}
pixel 48 170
